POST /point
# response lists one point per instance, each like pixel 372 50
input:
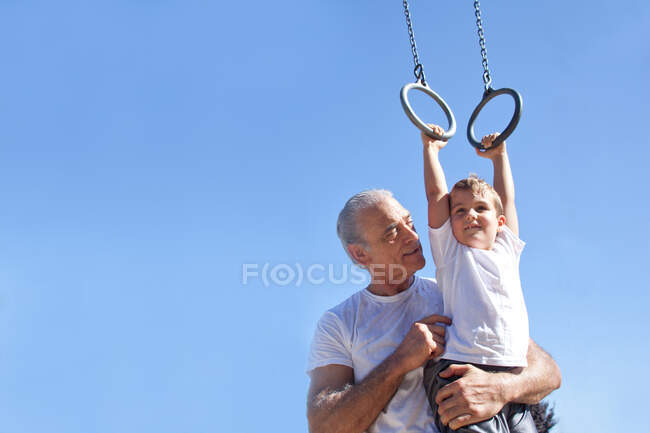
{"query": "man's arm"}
pixel 434 180
pixel 531 384
pixel 503 181
pixel 336 404
pixel 479 395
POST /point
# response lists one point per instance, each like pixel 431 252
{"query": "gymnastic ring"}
pixel 451 130
pixel 487 96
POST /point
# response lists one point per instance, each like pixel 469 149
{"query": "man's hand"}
pixel 436 144
pixel 338 404
pixel 424 341
pixel 490 152
pixel 476 396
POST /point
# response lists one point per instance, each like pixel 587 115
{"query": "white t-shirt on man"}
pixel 482 294
pixel 363 331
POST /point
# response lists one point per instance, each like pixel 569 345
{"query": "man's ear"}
pixel 501 221
pixel 359 254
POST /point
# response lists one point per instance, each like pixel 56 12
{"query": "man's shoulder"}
pixel 428 292
pixel 427 283
pixel 422 286
pixel 364 317
pixel 347 307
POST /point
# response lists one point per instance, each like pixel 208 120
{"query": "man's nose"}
pixel 412 234
pixel 471 214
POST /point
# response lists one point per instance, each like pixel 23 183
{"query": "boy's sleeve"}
pixel 329 344
pixel 443 244
pixel 510 241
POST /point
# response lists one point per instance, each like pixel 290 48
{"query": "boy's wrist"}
pixel 432 148
pixel 499 157
pixel 432 151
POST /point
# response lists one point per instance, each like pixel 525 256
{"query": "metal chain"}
pixel 418 71
pixel 487 79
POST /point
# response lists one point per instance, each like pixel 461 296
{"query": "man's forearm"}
pixel 354 408
pixel 531 384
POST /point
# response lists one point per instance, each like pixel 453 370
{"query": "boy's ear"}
pixel 501 221
pixel 359 254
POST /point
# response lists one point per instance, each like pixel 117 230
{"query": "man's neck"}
pixel 383 289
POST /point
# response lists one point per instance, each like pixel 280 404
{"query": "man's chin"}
pixel 424 262
pixel 415 263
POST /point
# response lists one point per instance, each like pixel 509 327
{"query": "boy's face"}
pixel 474 219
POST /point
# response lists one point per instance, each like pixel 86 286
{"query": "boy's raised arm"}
pixel 434 180
pixel 503 181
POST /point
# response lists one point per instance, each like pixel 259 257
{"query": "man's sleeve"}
pixel 443 244
pixel 329 345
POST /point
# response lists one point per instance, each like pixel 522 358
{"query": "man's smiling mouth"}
pixel 413 251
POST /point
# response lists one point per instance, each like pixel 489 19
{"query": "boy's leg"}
pixel 432 384
pixel 520 419
pixel 516 416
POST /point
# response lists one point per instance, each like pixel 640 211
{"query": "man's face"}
pixel 392 241
pixel 474 219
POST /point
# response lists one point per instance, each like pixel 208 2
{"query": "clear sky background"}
pixel 149 150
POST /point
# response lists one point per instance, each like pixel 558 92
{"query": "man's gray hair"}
pixel 346 226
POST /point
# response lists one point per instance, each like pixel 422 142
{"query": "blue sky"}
pixel 149 150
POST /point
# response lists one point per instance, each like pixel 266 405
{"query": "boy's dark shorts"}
pixel 514 417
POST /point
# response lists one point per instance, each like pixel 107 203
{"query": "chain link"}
pixel 487 79
pixel 418 71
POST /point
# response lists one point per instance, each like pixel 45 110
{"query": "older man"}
pixel 367 353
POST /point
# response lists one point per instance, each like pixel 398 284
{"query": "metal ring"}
pixel 487 96
pixel 451 130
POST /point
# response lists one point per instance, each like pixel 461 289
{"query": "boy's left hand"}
pixel 489 151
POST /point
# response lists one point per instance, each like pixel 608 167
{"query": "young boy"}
pixel 475 245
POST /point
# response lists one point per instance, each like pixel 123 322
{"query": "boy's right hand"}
pixel 436 144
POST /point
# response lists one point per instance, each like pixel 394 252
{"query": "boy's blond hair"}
pixel 481 188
